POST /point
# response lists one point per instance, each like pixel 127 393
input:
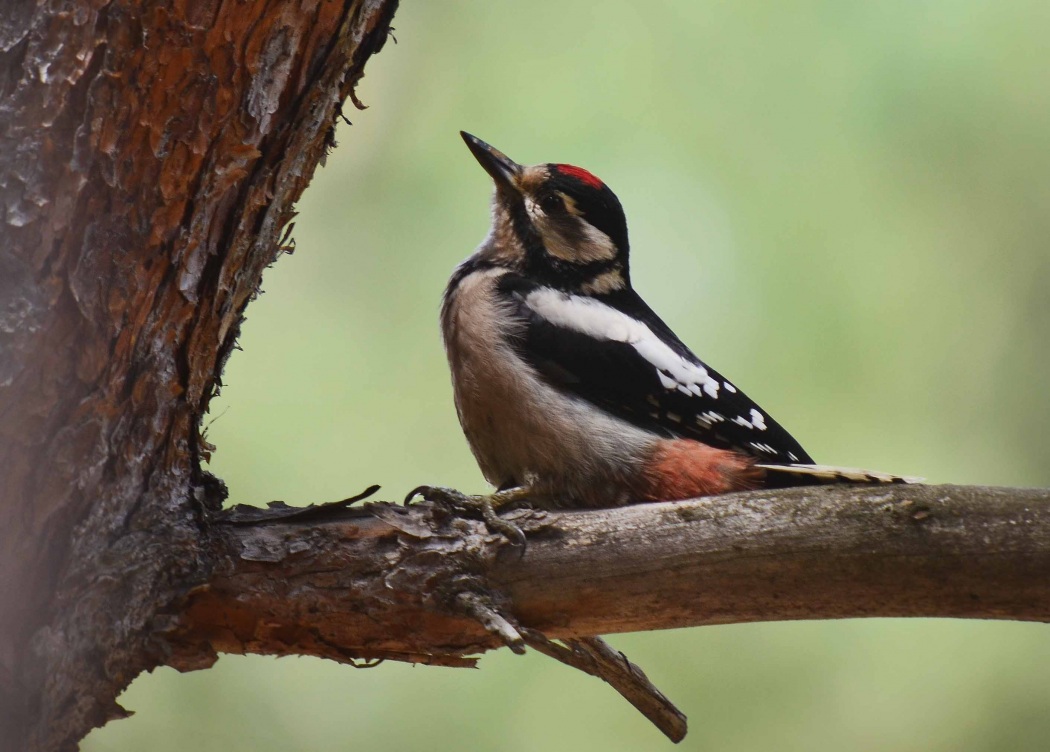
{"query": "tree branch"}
pixel 384 581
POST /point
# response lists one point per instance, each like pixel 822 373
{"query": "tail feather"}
pixel 782 476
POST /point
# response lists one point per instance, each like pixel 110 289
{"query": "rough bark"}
pixel 422 585
pixel 150 153
pixel 385 582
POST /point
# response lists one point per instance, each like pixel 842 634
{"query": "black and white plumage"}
pixel 567 381
pixel 614 351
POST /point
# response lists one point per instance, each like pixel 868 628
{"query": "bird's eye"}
pixel 552 203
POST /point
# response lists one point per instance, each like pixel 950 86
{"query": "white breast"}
pixel 520 428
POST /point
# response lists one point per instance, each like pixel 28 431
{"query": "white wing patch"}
pixel 595 319
pixel 667 381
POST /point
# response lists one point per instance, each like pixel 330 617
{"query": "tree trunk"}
pixel 150 155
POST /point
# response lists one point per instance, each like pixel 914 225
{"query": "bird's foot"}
pixel 486 505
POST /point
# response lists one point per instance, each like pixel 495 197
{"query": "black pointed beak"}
pixel 502 168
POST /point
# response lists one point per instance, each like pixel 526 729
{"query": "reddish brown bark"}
pixel 422 586
pixel 150 154
pixel 384 584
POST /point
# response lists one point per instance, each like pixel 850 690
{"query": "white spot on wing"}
pixel 729 387
pixel 595 319
pixel 758 420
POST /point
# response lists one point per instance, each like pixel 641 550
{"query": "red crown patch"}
pixel 580 174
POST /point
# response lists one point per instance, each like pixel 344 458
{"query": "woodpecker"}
pixel 569 386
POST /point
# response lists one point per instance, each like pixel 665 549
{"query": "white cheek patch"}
pixel 594 245
pixel 595 319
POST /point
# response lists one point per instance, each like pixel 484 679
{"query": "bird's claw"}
pixel 485 505
pixel 438 494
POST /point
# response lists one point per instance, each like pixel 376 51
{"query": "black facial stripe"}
pixel 597 268
pixel 527 234
pixel 565 275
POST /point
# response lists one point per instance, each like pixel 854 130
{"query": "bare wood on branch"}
pixel 386 581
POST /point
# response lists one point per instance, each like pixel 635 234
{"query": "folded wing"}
pixel 616 353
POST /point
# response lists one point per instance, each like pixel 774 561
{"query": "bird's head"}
pixel 556 223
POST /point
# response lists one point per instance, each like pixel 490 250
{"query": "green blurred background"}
pixel 843 206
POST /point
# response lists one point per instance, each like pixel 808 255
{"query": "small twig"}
pixel 357 102
pixel 244 514
pixel 364 662
pixel 287 244
pixel 596 657
pixel 592 655
pixel 494 622
pixel 341 115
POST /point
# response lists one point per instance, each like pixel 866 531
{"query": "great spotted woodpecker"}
pixel 568 385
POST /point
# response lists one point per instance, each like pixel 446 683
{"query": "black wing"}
pixel 617 353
